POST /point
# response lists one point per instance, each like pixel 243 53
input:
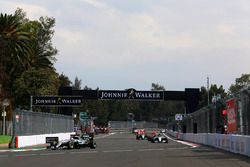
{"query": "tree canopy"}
pixel 240 83
pixel 27 58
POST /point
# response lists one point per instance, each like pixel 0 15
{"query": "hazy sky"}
pixel 119 44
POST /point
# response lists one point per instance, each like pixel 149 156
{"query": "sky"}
pixel 120 44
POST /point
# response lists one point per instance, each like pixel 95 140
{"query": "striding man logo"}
pixel 131 93
pixel 59 100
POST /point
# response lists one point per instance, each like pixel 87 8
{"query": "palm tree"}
pixel 15 48
pixel 14 42
pixel 24 46
pixel 14 51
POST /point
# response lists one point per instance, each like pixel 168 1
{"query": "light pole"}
pixel 208 84
pixel 5 104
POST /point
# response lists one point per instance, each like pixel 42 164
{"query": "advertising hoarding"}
pixel 231 115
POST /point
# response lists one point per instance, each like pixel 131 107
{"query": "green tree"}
pixel 217 91
pixel 44 52
pixel 157 108
pixel 35 82
pixel 15 42
pixel 214 90
pixel 26 51
pixel 156 86
pixel 15 47
pixel 64 80
pixel 240 83
pixel 77 84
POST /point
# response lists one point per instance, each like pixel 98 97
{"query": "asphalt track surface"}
pixel 123 150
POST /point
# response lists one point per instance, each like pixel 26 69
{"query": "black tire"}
pixel 71 145
pixel 155 141
pixel 53 145
pixel 76 145
pixel 93 144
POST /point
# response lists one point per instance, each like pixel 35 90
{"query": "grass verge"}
pixel 4 139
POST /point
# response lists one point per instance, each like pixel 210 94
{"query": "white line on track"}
pixel 84 152
pixel 182 142
pixel 181 148
pixel 99 137
pixel 125 132
pixel 25 155
pixel 21 150
pixel 52 153
pixel 152 149
pixel 4 151
pixel 116 151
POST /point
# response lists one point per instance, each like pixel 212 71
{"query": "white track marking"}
pixel 4 151
pixel 105 136
pixel 182 142
pixel 84 152
pixel 25 155
pixel 181 148
pixel 116 151
pixel 125 132
pixel 152 149
pixel 53 153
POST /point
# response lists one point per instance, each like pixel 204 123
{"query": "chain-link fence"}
pixel 128 125
pixel 8 127
pixel 211 119
pixel 35 123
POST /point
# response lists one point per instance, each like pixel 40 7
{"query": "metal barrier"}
pixel 210 119
pixel 239 144
pixel 36 123
pixel 130 125
pixel 8 128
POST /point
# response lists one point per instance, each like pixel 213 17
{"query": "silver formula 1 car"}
pixel 74 142
pixel 159 138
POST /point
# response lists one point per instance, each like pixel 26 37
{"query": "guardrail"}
pixel 239 144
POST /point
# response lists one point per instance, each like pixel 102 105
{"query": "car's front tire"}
pixel 71 145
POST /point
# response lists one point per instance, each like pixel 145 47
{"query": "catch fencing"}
pixel 128 125
pixel 211 119
pixel 36 123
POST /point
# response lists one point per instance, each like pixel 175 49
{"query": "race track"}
pixel 123 150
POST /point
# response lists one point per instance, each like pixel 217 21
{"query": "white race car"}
pixel 159 138
pixel 74 142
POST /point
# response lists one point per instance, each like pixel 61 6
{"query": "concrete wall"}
pixel 239 144
pixel 24 141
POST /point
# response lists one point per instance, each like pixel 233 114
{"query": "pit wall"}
pixel 238 144
pixel 33 140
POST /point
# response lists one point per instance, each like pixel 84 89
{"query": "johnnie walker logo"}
pixel 131 93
